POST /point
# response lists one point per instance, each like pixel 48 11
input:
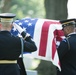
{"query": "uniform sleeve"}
pixel 62 49
pixel 29 45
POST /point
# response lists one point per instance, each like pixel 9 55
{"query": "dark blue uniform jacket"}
pixel 67 56
pixel 10 49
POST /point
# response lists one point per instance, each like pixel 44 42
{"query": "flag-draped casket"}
pixel 47 35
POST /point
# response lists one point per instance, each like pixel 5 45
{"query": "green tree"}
pixel 24 8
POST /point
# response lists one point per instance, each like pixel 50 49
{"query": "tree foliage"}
pixel 24 8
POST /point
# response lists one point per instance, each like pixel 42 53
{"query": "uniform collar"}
pixel 72 33
pixel 5 32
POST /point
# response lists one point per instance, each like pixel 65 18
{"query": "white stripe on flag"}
pixel 37 35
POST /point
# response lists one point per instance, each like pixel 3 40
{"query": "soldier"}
pixel 67 49
pixel 10 46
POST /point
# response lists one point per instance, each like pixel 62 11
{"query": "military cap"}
pixel 68 22
pixel 6 17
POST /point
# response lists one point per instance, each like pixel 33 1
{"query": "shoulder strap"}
pixel 22 47
pixel 68 43
pixel 22 66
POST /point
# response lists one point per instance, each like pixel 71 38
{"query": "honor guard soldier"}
pixel 67 49
pixel 10 46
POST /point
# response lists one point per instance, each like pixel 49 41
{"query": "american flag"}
pixel 46 33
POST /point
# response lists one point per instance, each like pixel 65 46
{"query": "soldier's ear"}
pixel 11 25
pixel 0 26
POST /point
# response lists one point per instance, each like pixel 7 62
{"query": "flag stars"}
pixel 20 23
pixel 29 24
pixel 26 21
pixel 14 29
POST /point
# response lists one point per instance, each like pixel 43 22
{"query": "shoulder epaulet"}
pixel 67 38
pixel 64 40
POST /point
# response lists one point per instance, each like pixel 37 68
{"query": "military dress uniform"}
pixel 67 54
pixel 10 48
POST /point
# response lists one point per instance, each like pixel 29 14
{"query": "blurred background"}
pixel 49 9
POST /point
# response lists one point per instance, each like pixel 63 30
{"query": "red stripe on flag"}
pixel 58 35
pixel 44 37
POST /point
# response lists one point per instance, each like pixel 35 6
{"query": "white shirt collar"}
pixel 72 33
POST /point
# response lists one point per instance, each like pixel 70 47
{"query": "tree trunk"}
pixel 56 9
pixel 6 6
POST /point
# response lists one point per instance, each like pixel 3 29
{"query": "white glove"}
pixel 18 28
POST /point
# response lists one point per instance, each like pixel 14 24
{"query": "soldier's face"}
pixel 66 30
